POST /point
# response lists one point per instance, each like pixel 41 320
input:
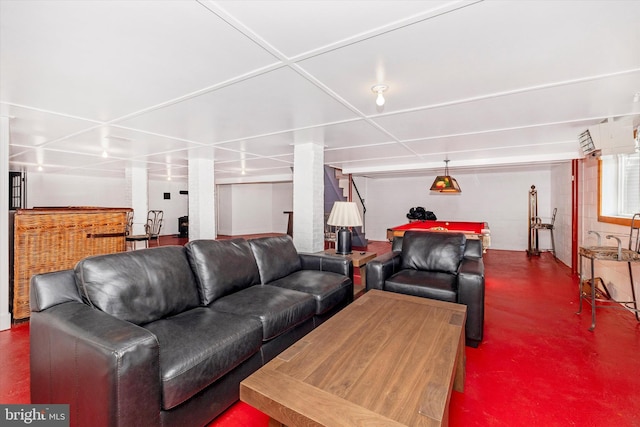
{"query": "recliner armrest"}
pixel 473 248
pixel 381 268
pixel 471 266
pixel 324 262
pixel 106 369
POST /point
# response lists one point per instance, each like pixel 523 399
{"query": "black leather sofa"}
pixel 438 265
pixel 163 336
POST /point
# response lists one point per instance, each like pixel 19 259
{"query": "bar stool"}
pixel 539 225
pixel 154 225
pixel 130 238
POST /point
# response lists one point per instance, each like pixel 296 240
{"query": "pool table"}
pixel 473 230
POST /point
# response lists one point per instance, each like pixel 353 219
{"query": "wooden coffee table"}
pixel 386 360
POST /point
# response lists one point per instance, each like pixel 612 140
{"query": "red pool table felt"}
pixel 468 227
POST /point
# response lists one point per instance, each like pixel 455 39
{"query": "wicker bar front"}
pixel 52 239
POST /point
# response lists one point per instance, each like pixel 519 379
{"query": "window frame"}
pixel 604 218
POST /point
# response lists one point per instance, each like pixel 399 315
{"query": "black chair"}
pixel 439 265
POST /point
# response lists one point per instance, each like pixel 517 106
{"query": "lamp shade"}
pixel 445 184
pixel 344 214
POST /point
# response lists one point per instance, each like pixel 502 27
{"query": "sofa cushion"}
pixel 432 251
pixel 222 267
pixel 139 286
pixel 276 257
pixel 198 347
pixel 278 309
pixel 426 284
pixel 329 289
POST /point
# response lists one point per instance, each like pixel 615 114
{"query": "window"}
pixel 16 190
pixel 618 188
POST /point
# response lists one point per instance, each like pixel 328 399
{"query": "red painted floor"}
pixel 538 365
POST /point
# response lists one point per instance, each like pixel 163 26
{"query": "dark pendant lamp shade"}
pixel 446 183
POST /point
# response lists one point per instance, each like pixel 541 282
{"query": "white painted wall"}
pixel 282 193
pixel 67 190
pixel 561 190
pixel 253 208
pixel 614 274
pixel 173 208
pixel 224 210
pixel 45 189
pixel 498 198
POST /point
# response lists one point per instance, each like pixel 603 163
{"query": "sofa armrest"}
pixel 471 289
pixel 381 268
pixel 324 262
pixel 106 369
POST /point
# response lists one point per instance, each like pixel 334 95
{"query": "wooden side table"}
pixel 359 260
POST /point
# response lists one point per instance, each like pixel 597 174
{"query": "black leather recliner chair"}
pixel 442 266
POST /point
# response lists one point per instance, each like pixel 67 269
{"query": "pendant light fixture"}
pixel 446 183
pixel 378 89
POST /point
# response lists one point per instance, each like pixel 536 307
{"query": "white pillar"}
pixel 137 181
pixel 308 197
pixel 202 214
pixel 5 315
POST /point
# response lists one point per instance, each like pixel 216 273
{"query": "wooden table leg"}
pixel 461 359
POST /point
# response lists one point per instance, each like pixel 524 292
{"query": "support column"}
pixel 202 213
pixel 5 315
pixel 308 197
pixel 137 181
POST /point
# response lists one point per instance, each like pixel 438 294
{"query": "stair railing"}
pixel 359 202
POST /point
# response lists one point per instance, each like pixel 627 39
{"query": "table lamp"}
pixel 344 215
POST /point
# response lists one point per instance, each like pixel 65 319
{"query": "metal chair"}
pixel 537 224
pixel 130 238
pixel 154 225
pixel 611 253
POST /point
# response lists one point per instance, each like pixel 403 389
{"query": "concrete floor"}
pixel 538 365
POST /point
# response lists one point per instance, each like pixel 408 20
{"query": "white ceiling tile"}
pixel 387 153
pixel 320 23
pixel 274 101
pixel 153 81
pixel 105 59
pixel 486 48
pixel 122 143
pixel 32 127
pixel 591 99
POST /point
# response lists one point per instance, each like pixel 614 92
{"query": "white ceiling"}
pixel 483 84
